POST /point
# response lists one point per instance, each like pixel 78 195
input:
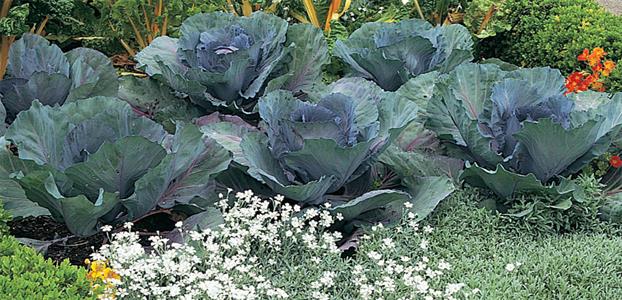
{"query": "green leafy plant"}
pixel 37 70
pixel 75 161
pixel 225 61
pixel 391 53
pixel 322 152
pixel 12 23
pixel 486 18
pixel 517 130
pixel 5 217
pixel 542 213
pixel 24 274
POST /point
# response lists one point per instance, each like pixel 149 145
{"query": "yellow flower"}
pixel 609 66
pixel 99 272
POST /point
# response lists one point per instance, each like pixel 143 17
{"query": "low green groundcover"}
pixel 24 274
pixel 488 253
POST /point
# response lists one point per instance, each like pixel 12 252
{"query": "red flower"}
pixel 615 161
pixel 583 56
pixel 575 83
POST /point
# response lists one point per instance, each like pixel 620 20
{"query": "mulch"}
pixel 75 249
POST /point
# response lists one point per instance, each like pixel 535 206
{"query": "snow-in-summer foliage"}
pixel 260 245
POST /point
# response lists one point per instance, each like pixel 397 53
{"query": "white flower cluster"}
pixel 383 270
pixel 265 250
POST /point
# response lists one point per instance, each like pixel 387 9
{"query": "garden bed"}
pixel 452 149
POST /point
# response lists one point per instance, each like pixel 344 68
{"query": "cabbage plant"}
pixel 222 60
pixel 517 129
pixel 323 151
pixel 392 53
pixel 94 161
pixel 40 71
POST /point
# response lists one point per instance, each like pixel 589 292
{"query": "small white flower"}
pixel 408 204
pixel 405 2
pixel 106 228
pixel 179 224
pixel 453 288
pixel 128 225
pixel 388 243
pixel 443 265
pixel 424 244
pixel 374 255
pixel 510 267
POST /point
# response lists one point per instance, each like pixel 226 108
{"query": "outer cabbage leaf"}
pixel 427 193
pixel 114 168
pixel 62 136
pixel 184 176
pixel 162 50
pixel 157 101
pixel 521 120
pixel 265 168
pixel 507 184
pixel 311 152
pixel 370 202
pixel 391 53
pixel 39 71
pixel 225 60
pixel 74 163
pixel 91 74
pixel 33 54
pixel 302 67
pixel 12 195
pixel 83 215
pixel 550 149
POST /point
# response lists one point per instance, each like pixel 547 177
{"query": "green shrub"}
pixel 553 32
pixel 24 274
pixel 4 218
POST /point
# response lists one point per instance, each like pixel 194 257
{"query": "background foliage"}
pixel 553 32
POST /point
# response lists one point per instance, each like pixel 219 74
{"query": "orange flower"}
pixel 582 81
pixel 599 52
pixel 598 86
pixel 596 56
pixel 608 68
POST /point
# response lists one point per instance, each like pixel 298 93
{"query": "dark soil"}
pixel 67 246
pixel 62 244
